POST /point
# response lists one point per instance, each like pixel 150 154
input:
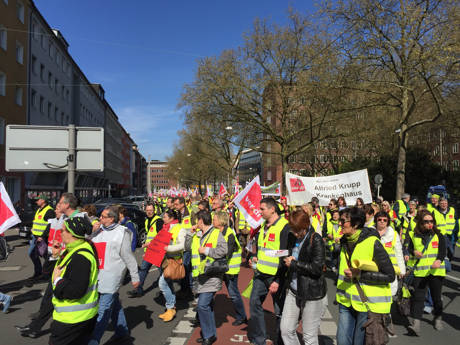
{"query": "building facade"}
pixel 14 61
pixel 157 175
pixel 249 166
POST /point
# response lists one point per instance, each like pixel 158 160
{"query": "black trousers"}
pixel 418 298
pixel 45 311
pixel 71 334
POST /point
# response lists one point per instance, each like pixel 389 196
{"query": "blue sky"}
pixel 144 51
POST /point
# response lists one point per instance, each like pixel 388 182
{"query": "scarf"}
pixel 354 238
pixel 110 227
pixel 168 226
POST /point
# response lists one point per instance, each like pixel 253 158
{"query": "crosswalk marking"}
pixel 183 327
pixel 175 341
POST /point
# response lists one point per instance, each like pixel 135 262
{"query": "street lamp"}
pixel 229 128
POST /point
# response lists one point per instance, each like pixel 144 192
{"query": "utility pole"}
pixel 71 164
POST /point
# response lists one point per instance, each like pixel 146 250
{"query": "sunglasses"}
pixel 382 220
pixel 426 221
pixel 343 221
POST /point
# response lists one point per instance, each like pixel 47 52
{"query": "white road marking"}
pixel 328 328
pixel 453 278
pixel 176 341
pixel 327 315
pixel 190 313
pixel 183 327
pixel 10 268
pixel 239 338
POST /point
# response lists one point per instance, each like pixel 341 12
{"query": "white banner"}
pixel 248 202
pixel 350 185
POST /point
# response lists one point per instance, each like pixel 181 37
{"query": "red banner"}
pixel 248 202
pixel 156 249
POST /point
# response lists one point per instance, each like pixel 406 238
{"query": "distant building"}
pixel 157 175
pixel 249 166
pixel 14 60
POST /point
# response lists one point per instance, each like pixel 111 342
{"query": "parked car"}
pixel 134 213
pixel 138 200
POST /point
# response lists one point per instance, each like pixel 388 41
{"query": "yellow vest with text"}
pixel 73 311
pixel 445 223
pixel 210 241
pixel 390 249
pixel 334 229
pixel 242 223
pixel 379 296
pixel 269 241
pixel 234 263
pixel 39 223
pixel 423 267
pixel 152 231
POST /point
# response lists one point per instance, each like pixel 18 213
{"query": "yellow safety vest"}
pixel 334 229
pixel 402 208
pixel 408 225
pixel 210 241
pixel 379 296
pixel 390 249
pixel 175 230
pixel 152 231
pixel 39 224
pixel 234 263
pixel 445 222
pixel 423 267
pixel 269 241
pixel 458 239
pixel 74 311
pixel 430 207
pixel 186 222
pixel 242 223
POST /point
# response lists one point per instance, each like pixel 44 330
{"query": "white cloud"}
pixel 154 129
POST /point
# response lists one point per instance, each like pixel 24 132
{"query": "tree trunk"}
pixel 401 166
pixel 284 167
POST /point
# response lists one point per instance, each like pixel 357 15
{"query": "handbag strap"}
pixel 361 293
pixel 423 251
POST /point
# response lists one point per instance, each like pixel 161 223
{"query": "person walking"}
pixel 174 251
pixel 206 246
pixel 426 252
pixel 43 213
pixel 269 276
pixel 153 225
pixel 306 297
pixel 74 281
pixel 234 251
pixel 360 244
pixel 113 244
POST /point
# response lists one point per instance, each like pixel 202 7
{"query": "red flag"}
pixel 222 191
pixel 8 215
pixel 248 202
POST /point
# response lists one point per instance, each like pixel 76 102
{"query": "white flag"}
pixel 8 215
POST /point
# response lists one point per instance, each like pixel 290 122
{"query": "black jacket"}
pixel 386 273
pixel 311 284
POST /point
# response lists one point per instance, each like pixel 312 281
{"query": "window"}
pixel 34 98
pixel 455 148
pixel 62 91
pixel 20 12
pixel 56 86
pixel 34 65
pixel 269 175
pixel 50 106
pixel 2 84
pixel 42 72
pixel 62 118
pixel 35 30
pixel 42 105
pixel 56 113
pixel 58 59
pixel 19 52
pixel 3 37
pixel 6 2
pixel 19 96
pixel 2 131
pixel 455 164
pixel 42 39
pixel 50 80
pixel 51 51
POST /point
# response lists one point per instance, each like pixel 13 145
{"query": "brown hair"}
pixel 299 221
pixel 90 209
pixel 418 227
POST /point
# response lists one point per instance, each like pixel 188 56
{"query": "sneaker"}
pixel 6 303
pixel 135 294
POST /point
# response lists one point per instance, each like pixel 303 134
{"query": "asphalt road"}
pixel 141 313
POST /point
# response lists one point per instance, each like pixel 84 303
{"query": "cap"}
pixel 42 196
pixel 78 226
pixel 405 195
pixel 436 196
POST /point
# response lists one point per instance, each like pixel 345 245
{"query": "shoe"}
pixel 438 324
pixel 6 303
pixel 135 294
pixel 30 334
pixel 195 323
pixel 22 328
pixel 169 315
pixel 161 316
pixel 207 341
pixel 415 327
pixel 239 322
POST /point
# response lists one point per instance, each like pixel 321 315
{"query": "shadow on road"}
pixel 30 295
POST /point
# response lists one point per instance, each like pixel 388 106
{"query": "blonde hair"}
pixel 222 217
pixel 308 209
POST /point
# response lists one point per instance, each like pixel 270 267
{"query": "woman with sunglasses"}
pixel 426 252
pixel 360 245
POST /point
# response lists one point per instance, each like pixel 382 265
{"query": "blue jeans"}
pixel 205 309
pixel 350 328
pixel 167 288
pixel 231 281
pixel 187 282
pixel 257 332
pixel 33 254
pixel 109 309
pixel 143 271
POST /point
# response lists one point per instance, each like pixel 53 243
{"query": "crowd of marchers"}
pixel 385 259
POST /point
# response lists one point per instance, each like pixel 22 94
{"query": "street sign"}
pixel 378 179
pixel 46 148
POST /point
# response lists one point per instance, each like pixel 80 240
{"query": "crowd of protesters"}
pixel 384 259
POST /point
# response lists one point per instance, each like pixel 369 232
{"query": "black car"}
pixel 135 215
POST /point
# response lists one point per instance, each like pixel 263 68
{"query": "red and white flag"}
pixel 222 191
pixel 248 202
pixel 8 215
pixel 236 189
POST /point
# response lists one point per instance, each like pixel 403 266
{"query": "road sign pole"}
pixel 71 160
